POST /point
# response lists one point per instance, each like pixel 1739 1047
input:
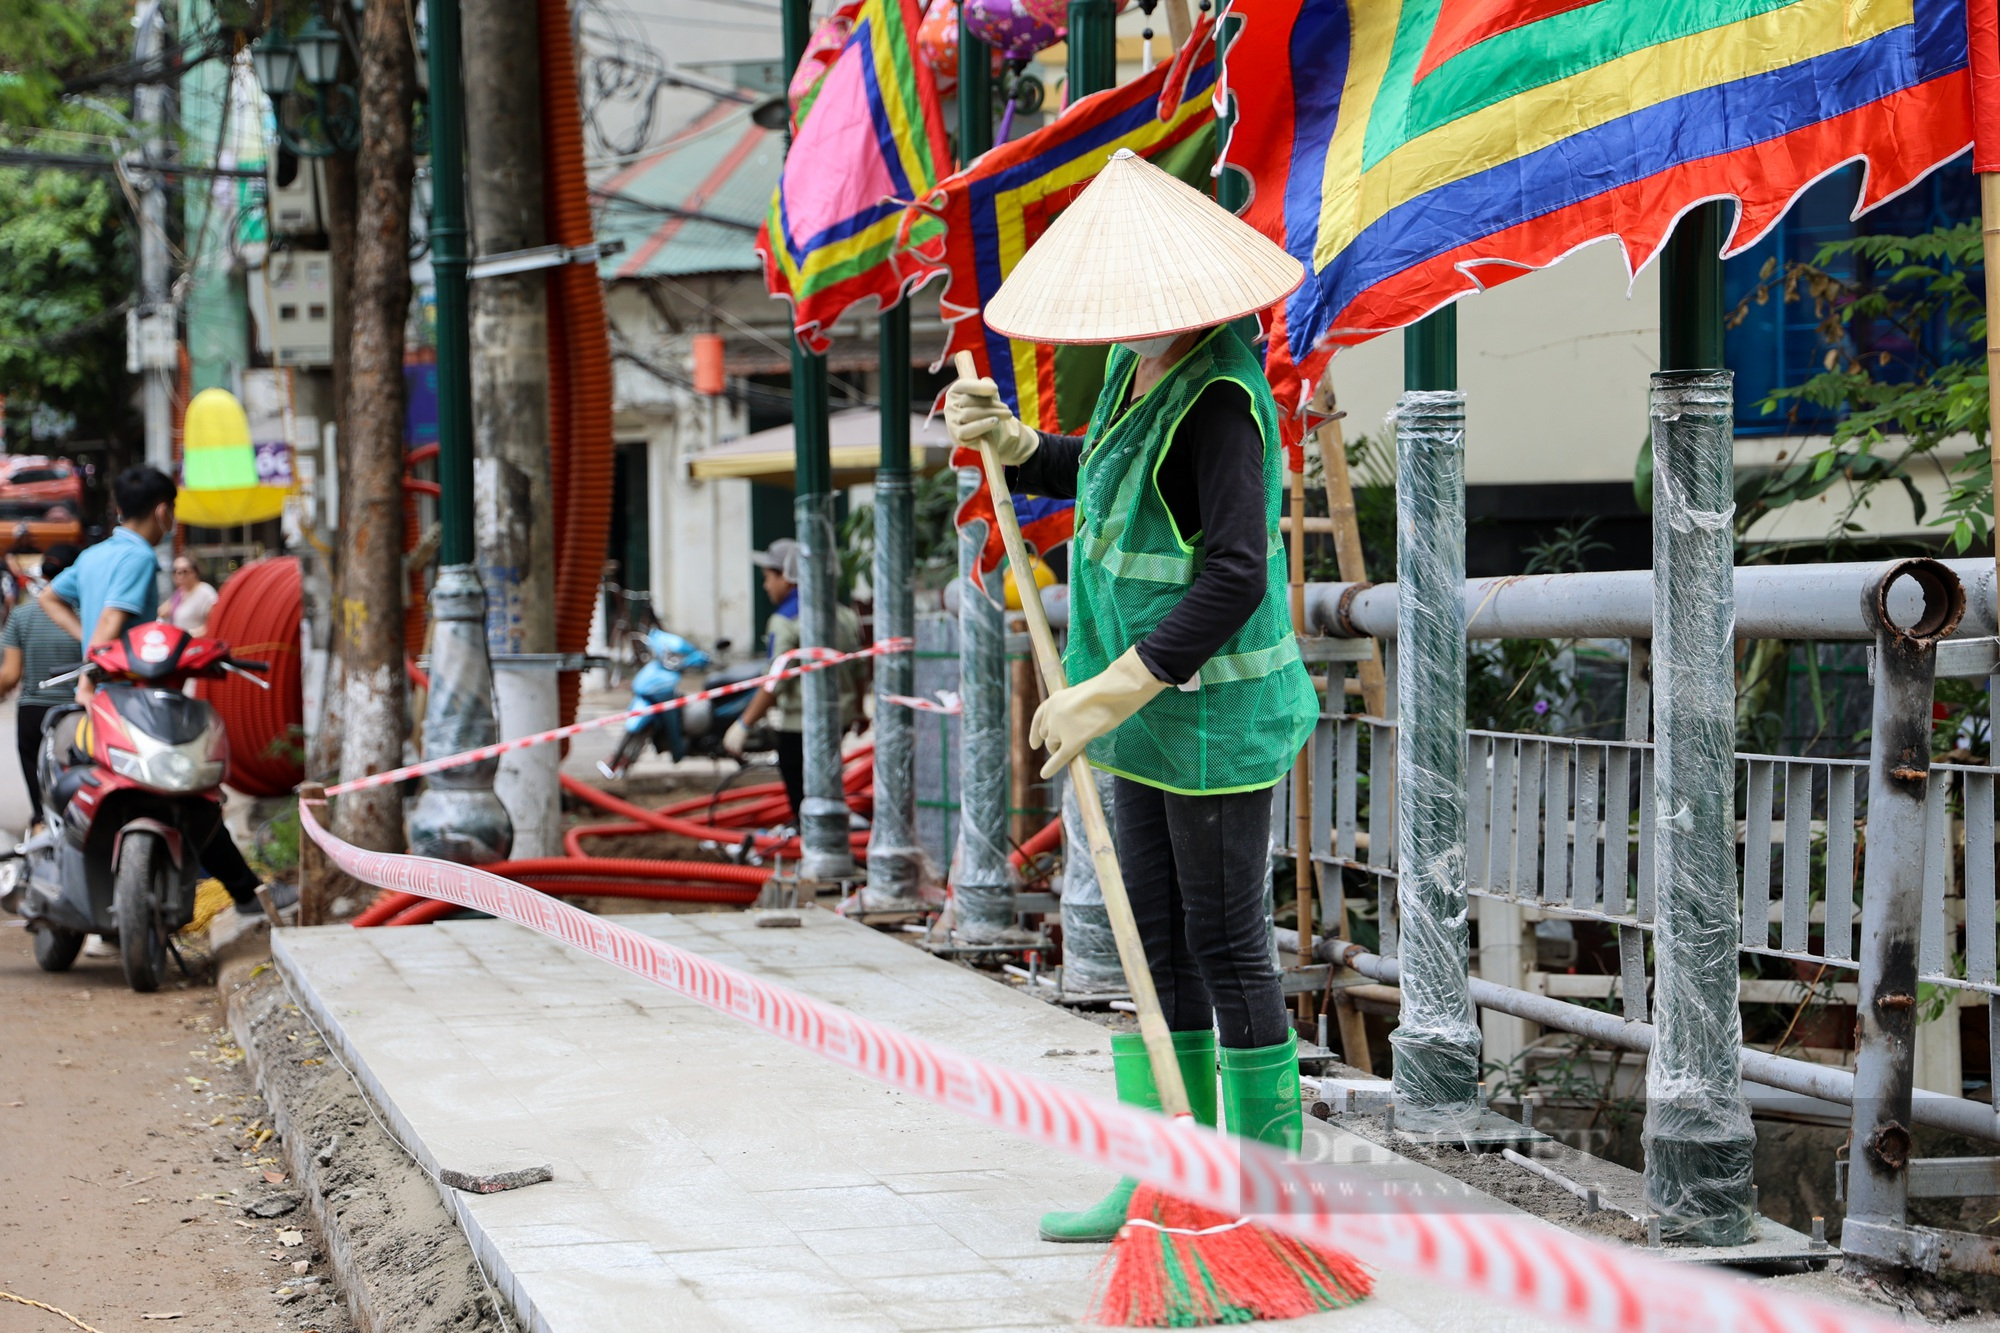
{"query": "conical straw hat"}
pixel 1138 255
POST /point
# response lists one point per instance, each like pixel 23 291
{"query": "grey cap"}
pixel 781 555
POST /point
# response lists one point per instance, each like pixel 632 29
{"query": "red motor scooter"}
pixel 131 793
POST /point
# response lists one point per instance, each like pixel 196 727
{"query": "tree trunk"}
pixel 337 207
pixel 371 609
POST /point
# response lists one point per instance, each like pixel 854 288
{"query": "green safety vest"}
pixel 1130 565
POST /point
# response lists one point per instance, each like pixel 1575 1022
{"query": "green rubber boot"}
pixel 1133 1073
pixel 1260 1093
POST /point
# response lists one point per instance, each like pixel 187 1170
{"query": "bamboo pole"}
pixel 1989 232
pixel 1131 949
pixel 1302 866
pixel 1347 535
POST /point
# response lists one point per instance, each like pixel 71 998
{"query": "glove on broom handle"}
pixel 1131 951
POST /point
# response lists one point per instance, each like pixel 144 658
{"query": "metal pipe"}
pixel 895 859
pixel 983 879
pixel 1772 602
pixel 826 855
pixel 1698 1138
pixel 975 91
pixel 1437 1042
pixel 458 817
pixel 1899 765
pixel 1090 954
pixel 1825 1082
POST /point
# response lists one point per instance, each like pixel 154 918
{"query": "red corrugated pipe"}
pixel 581 453
pixel 258 614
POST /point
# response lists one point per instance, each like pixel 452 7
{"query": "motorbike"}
pixel 696 728
pixel 131 793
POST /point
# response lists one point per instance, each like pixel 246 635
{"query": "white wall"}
pixel 1554 366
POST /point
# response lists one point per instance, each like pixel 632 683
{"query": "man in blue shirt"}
pixel 115 584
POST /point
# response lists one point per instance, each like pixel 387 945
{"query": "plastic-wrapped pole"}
pixel 825 854
pixel 458 818
pixel 1090 951
pixel 1698 1134
pixel 983 888
pixel 1899 770
pixel 1437 1039
pixel 895 861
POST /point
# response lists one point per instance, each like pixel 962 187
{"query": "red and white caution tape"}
pixel 946 702
pixel 821 659
pixel 1486 1255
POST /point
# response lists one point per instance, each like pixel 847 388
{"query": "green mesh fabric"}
pixel 1130 566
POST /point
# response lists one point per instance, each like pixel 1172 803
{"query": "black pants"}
pixel 28 736
pixel 791 746
pixel 1194 869
pixel 222 860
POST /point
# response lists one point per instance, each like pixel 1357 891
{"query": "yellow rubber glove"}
pixel 1070 719
pixel 973 409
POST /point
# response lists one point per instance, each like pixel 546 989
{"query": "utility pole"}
pixel 155 272
pixel 825 853
pixel 458 817
pixel 515 526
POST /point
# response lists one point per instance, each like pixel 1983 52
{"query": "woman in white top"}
pixel 191 601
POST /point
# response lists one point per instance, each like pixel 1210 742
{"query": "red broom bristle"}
pixel 1176 1264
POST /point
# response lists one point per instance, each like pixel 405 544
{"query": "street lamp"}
pixel 319 53
pixel 330 122
pixel 275 63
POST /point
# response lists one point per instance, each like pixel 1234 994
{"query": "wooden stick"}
pixel 1989 230
pixel 1131 950
pixel 1179 28
pixel 1347 538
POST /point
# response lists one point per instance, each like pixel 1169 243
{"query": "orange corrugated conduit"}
pixel 580 453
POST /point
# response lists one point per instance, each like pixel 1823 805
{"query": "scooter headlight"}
pixel 126 764
pixel 170 768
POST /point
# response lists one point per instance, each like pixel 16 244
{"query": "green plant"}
pixel 1903 322
pixel 276 848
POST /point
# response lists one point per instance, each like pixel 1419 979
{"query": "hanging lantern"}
pixel 1007 27
pixel 937 41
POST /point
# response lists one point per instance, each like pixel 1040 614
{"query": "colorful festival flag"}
pixel 870 142
pixel 1000 205
pixel 1410 152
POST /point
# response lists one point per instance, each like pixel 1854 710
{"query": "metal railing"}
pixel 1565 826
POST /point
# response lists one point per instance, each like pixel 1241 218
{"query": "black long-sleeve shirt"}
pixel 1212 481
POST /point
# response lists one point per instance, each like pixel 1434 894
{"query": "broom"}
pixel 1174 1264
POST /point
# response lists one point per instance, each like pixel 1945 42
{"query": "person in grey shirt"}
pixel 32 649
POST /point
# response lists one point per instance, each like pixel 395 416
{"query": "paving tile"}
pixel 710 1177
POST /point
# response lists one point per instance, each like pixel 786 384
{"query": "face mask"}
pixel 1150 347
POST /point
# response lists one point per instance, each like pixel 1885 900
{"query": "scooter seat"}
pixel 72 781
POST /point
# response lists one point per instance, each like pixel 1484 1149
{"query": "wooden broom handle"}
pixel 1131 950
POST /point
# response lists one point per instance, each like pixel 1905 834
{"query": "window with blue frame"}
pixel 1779 344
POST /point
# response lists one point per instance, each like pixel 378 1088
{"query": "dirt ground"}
pixel 132 1145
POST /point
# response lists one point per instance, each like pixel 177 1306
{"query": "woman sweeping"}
pixel 1188 685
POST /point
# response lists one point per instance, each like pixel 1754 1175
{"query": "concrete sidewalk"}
pixel 710 1177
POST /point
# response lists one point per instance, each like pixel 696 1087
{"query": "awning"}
pixel 855 435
